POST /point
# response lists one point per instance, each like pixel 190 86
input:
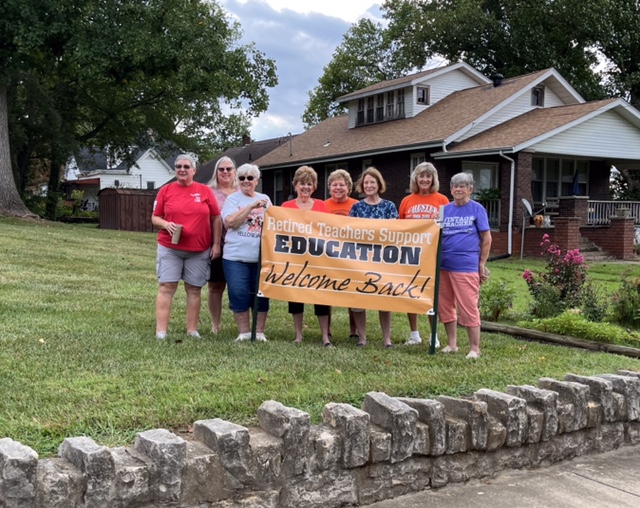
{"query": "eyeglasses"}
pixel 242 178
pixel 185 166
pixel 225 169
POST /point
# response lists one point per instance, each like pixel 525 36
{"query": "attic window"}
pixel 537 96
pixel 422 95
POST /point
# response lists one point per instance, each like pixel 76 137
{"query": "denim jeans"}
pixel 242 285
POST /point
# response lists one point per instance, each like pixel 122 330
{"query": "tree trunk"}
pixel 10 203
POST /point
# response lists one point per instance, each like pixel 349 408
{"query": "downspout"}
pixel 512 184
pixel 444 145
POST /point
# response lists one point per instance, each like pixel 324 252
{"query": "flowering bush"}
pixel 561 286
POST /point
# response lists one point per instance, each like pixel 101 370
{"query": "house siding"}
pixel 595 139
pixel 517 107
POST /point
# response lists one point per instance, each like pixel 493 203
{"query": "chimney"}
pixel 497 79
pixel 246 140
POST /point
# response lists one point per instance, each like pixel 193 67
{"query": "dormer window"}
pixel 379 107
pixel 400 104
pixel 370 109
pixel 360 119
pixel 422 95
pixel 537 96
pixel 390 99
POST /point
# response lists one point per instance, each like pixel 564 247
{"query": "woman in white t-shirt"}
pixel 243 216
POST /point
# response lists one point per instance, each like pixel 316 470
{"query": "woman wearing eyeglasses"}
pixel 224 182
pixel 305 182
pixel 188 216
pixel 243 216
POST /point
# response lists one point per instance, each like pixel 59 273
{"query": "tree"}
pixel 106 72
pixel 512 37
pixel 364 57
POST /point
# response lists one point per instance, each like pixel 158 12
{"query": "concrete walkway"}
pixel 607 480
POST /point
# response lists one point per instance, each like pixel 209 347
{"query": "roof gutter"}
pixel 512 184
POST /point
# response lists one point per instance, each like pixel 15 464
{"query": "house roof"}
pixel 441 123
pixel 524 130
pixel 248 153
pixel 411 79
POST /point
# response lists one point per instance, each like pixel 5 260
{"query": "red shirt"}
pixel 318 206
pixel 192 206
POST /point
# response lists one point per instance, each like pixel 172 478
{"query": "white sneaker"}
pixel 449 349
pixel 260 337
pixel 473 355
pixel 437 341
pixel 194 335
pixel 242 337
pixel 161 335
pixel 413 341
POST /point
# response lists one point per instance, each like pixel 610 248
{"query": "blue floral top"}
pixel 383 210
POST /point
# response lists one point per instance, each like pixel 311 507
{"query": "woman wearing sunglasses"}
pixel 224 182
pixel 243 216
pixel 188 216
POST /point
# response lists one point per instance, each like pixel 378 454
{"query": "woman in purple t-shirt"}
pixel 466 242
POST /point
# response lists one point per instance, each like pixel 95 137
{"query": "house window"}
pixel 278 187
pixel 360 119
pixel 537 96
pixel 328 169
pixel 400 104
pixel 390 104
pixel 379 107
pixel 370 109
pixel 485 175
pixel 416 158
pixel 553 177
pixel 422 95
pixel 151 185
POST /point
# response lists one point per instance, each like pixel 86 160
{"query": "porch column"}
pixel 621 234
pixel 567 232
pixel 574 206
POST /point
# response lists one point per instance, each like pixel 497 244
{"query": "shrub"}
pixel 560 287
pixel 626 302
pixel 572 323
pixel 496 297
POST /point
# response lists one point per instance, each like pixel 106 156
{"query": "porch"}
pixel 613 226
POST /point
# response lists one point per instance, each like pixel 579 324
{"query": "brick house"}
pixel 530 137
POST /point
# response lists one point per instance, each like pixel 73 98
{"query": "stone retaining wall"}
pixel 390 447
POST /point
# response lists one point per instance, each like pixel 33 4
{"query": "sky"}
pixel 301 37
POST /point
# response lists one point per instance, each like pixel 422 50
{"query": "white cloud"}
pixel 347 10
pixel 301 36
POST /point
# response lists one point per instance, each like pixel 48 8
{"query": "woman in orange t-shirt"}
pixel 424 202
pixel 340 186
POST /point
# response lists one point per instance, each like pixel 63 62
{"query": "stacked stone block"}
pixel 354 456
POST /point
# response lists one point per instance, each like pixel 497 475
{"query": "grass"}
pixel 78 354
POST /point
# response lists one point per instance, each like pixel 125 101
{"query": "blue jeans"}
pixel 242 285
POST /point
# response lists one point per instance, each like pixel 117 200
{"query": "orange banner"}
pixel 378 264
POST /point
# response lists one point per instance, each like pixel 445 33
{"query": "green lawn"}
pixel 78 354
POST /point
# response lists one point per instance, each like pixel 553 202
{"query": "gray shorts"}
pixel 173 265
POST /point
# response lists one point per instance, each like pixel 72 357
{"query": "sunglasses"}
pixel 242 178
pixel 225 169
pixel 185 166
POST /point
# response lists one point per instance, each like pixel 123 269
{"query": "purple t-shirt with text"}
pixel 461 227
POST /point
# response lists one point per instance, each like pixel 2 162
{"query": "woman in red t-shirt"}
pixel 188 216
pixel 305 182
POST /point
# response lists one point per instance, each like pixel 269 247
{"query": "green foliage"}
pixel 573 324
pixel 363 58
pixel 561 286
pixel 496 298
pixel 83 73
pixel 626 302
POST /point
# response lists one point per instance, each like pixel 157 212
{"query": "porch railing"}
pixel 600 211
pixel 493 211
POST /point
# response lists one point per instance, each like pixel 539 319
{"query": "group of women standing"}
pixel 222 223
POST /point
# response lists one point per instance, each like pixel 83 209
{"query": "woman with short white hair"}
pixel 243 215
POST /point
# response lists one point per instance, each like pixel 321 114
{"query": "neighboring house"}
pixel 91 172
pixel 249 152
pixel 529 137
